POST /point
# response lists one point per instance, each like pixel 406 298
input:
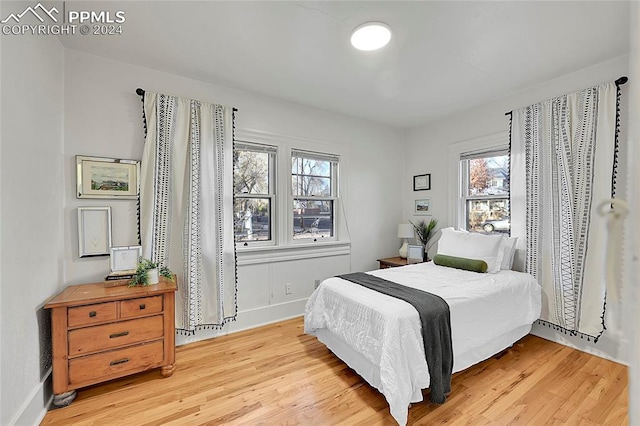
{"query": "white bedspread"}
pixel 387 332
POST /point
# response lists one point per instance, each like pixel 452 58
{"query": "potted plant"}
pixel 148 273
pixel 425 232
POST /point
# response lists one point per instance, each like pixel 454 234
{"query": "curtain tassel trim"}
pixel 572 333
pixel 140 93
pixel 184 332
pixel 616 149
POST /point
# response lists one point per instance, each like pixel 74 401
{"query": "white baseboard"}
pixel 250 319
pixel 610 346
pixel 34 408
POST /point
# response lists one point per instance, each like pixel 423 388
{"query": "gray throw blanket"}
pixel 436 327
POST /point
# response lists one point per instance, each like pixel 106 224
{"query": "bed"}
pixel 380 337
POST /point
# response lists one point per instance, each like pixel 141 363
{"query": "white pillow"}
pixel 509 253
pixel 489 248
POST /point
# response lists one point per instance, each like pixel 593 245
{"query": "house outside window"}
pixel 485 191
pixel 254 193
pixel 314 183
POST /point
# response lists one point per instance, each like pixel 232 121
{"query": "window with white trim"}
pixel 254 193
pixel 485 191
pixel 314 190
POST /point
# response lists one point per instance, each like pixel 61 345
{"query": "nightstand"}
pixel 392 262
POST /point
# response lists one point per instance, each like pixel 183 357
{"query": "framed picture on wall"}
pixel 422 182
pixel 98 177
pixel 423 207
pixel 94 231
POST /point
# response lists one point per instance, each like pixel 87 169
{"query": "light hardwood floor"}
pixel 278 375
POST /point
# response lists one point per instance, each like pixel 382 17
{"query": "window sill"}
pixel 269 254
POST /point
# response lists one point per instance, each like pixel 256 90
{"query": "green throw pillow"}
pixel 460 263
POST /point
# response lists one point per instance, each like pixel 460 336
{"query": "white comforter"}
pixel 386 330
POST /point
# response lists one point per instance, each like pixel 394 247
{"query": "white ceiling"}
pixel 444 56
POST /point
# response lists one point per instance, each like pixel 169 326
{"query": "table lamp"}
pixel 405 230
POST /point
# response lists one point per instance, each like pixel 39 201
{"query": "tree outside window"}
pixel 313 183
pixel 253 173
pixel 486 191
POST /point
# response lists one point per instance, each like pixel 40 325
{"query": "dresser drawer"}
pixel 142 306
pixel 92 314
pixel 117 363
pixel 102 337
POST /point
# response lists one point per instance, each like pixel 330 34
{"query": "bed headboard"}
pixel 519 260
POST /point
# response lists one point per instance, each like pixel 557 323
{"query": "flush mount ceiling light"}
pixel 371 36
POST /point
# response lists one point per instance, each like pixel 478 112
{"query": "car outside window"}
pixel 314 181
pixel 485 191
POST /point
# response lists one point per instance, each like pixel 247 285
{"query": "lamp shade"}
pixel 405 230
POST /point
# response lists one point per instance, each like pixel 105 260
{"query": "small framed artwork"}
pixel 415 254
pixel 125 259
pixel 422 182
pixel 94 231
pixel 98 177
pixel 423 206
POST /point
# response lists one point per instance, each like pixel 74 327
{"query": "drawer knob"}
pixel 93 314
pixel 119 361
pixel 142 306
pixel 114 335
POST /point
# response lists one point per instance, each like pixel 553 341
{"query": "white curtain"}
pixel 186 205
pixel 563 154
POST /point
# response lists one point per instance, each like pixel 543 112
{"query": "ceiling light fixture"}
pixel 371 36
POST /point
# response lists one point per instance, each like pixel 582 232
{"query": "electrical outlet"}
pixel 287 288
pixel 317 284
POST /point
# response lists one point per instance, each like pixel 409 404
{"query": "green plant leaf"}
pixel 142 272
pixel 425 231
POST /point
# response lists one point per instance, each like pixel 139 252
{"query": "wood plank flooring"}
pixel 278 375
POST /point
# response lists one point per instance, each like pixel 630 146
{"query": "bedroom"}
pixel 85 101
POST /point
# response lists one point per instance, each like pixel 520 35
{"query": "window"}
pixel 485 191
pixel 314 183
pixel 254 192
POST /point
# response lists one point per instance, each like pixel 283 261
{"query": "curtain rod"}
pixel 619 82
pixel 622 80
pixel 141 92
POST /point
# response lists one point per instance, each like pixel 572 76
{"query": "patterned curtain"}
pixel 186 205
pixel 563 154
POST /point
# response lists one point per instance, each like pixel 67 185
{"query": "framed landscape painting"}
pixel 99 177
pixel 423 207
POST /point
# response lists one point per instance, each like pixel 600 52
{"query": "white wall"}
pixel 103 118
pixel 632 269
pixel 428 152
pixel 31 241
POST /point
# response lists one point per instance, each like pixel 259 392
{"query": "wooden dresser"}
pixel 101 332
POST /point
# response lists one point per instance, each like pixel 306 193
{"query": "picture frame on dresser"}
pixel 124 259
pixel 94 231
pixel 415 253
pixel 100 177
